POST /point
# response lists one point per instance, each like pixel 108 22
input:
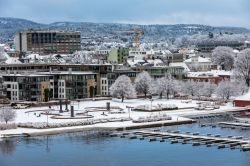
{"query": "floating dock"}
pixel 195 139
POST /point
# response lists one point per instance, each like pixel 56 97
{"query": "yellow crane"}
pixel 135 35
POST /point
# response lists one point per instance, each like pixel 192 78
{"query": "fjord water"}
pixel 88 149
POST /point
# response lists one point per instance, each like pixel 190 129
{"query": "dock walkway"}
pixel 195 138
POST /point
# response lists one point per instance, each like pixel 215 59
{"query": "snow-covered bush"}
pixel 154 118
pixel 4 126
pixel 159 107
pixel 44 125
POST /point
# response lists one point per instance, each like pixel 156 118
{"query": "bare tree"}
pixel 242 87
pixel 223 56
pixel 242 66
pixel 199 89
pixel 165 86
pixel 208 89
pixel 189 88
pixel 226 89
pixel 7 114
pixel 143 83
pixel 122 87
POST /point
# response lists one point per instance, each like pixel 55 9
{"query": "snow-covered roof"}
pixel 33 56
pixel 236 51
pixel 212 73
pixel 201 74
pixel 13 61
pixel 200 60
pixel 155 62
pixel 245 97
pixel 134 62
pixel 221 72
pixel 180 64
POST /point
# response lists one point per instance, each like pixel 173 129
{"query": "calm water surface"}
pixel 81 149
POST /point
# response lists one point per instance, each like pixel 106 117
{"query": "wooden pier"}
pixel 192 138
pixel 236 124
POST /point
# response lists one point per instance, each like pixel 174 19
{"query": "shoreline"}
pixel 181 116
pixel 119 127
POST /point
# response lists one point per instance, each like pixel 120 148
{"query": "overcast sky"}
pixel 210 12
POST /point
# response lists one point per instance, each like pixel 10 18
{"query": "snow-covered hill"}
pixel 9 26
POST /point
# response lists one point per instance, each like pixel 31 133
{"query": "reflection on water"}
pixel 8 146
pixel 92 149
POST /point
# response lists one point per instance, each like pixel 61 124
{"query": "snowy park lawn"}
pixel 23 116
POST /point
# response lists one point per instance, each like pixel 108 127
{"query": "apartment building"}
pixel 48 41
pixel 26 87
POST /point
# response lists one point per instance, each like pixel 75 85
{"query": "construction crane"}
pixel 135 35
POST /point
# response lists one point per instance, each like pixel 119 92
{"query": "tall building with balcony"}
pixel 48 41
pixel 26 87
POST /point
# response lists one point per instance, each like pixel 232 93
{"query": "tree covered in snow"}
pixel 7 114
pixel 209 89
pixel 242 66
pixel 166 86
pixel 189 88
pixel 198 89
pixel 223 56
pixel 242 87
pixel 123 88
pixel 211 38
pixel 143 83
pixel 227 89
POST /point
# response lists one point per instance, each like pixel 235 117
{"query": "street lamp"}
pixel 93 91
pixel 129 109
pixel 78 104
pixel 151 103
pixel 47 113
pixel 159 105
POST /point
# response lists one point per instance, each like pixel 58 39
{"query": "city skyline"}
pixel 223 13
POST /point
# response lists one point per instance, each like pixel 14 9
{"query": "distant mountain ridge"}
pixel 9 26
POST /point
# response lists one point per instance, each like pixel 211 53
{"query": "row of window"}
pixel 104 87
pixel 104 81
pixel 61 90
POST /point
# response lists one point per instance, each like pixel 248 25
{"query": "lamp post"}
pixel 129 109
pixel 78 104
pixel 47 113
pixel 159 105
pixel 151 104
pixel 94 86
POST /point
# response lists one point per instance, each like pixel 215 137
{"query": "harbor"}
pixel 188 138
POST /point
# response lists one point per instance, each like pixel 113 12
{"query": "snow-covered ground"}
pixel 23 117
